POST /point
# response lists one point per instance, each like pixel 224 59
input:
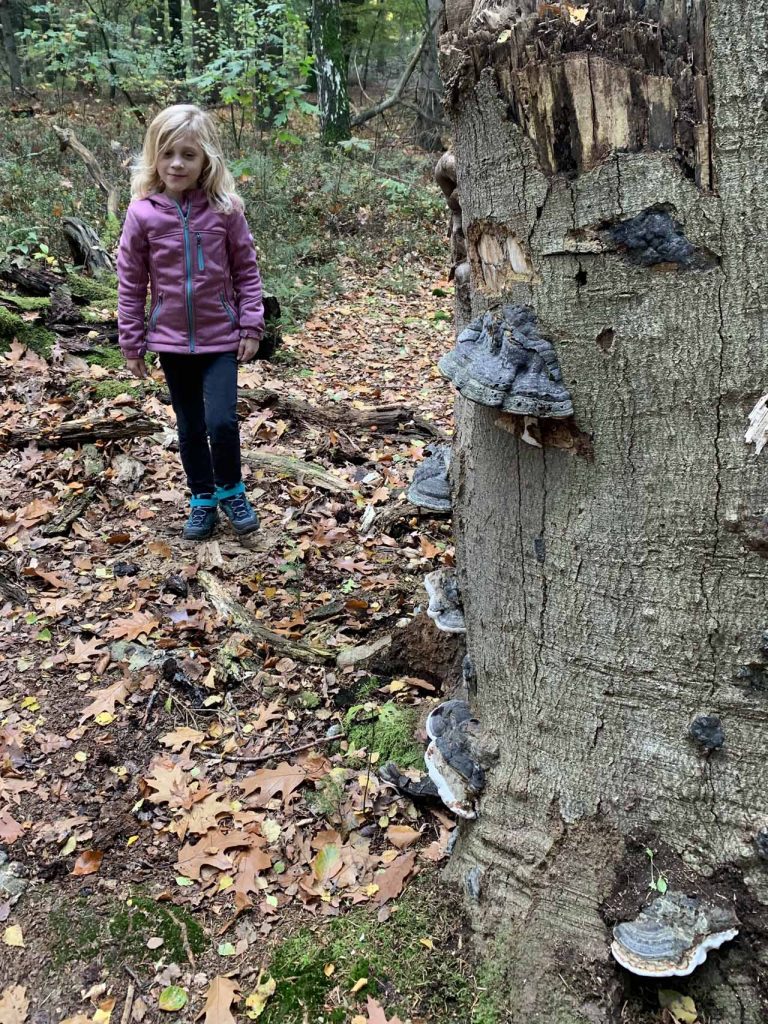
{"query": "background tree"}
pixel 205 30
pixel 613 580
pixel 330 71
pixel 9 45
pixel 429 87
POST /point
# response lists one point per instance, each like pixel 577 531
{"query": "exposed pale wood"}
pixel 67 138
pixel 86 247
pixel 387 418
pixel 233 612
pixel 82 431
pixel 286 465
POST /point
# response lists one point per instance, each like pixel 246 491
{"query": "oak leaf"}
pixel 249 864
pixel 83 652
pixel 10 829
pixel 376 1013
pixel 132 628
pixel 268 782
pixel 222 992
pixel 106 699
pixel 210 851
pixel 181 737
pixel 14 1005
pixel 170 783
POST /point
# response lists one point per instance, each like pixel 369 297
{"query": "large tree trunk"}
pixel 205 31
pixel 332 92
pixel 429 87
pixel 610 600
pixel 9 45
pixel 177 39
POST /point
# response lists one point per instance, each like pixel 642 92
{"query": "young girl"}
pixel 186 237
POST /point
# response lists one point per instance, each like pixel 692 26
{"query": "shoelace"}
pixel 239 506
pixel 199 516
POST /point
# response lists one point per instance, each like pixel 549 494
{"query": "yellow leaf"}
pixel 81 756
pixel 682 1008
pixel 428 943
pixel 104 1012
pixel 225 882
pixel 257 1000
pixel 12 936
pixel 329 969
pixel 104 718
pixel 131 840
pixel 358 1019
pixel 360 983
pixel 505 35
pixel 68 847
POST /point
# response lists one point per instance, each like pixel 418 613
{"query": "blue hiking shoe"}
pixel 202 519
pixel 236 507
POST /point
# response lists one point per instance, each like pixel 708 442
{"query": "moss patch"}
pixel 108 357
pixel 388 729
pixel 119 932
pixel 102 289
pixel 26 302
pixel 110 388
pixel 402 972
pixel 33 336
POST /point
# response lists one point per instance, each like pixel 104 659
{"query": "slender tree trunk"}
pixel 333 95
pixel 156 16
pixel 9 45
pixel 177 39
pixel 429 86
pixel 616 590
pixel 206 27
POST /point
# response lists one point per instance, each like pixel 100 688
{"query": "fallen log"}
pixel 86 248
pixel 286 465
pixel 81 431
pixel 72 509
pixel 395 517
pixel 10 584
pixel 67 138
pixel 232 611
pixel 391 418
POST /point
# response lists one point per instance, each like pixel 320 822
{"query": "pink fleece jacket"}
pixel 201 269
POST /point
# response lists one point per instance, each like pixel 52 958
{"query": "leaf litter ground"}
pixel 161 865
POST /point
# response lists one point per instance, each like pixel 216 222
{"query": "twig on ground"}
pixel 285 752
pixel 128 1003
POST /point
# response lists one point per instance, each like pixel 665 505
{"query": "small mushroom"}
pixel 501 360
pixel 707 731
pixel 445 601
pixel 452 757
pixel 672 937
pixel 431 487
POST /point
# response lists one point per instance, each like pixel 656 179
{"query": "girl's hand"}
pixel 247 350
pixel 137 367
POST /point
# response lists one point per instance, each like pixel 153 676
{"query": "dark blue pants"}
pixel 204 395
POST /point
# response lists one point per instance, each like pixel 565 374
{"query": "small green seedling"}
pixel 659 881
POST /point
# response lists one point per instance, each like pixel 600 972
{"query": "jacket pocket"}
pixel 156 313
pixel 200 254
pixel 228 309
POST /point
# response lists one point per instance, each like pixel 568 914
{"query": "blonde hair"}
pixel 167 129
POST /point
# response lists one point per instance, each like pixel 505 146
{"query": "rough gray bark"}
pixel 9 46
pixel 332 92
pixel 429 86
pixel 619 597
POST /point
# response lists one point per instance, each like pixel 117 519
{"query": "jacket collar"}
pixel 195 196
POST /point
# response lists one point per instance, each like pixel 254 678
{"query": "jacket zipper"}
pixel 200 256
pixel 228 309
pixel 156 312
pixel 188 270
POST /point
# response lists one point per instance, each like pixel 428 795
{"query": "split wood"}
pixel 317 475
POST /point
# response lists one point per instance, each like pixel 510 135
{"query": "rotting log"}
pixel 86 248
pixel 80 431
pixel 286 465
pixel 393 518
pixel 613 600
pixel 233 612
pixel 10 582
pixel 392 418
pixel 68 139
pixel 73 508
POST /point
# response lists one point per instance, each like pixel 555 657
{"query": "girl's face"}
pixel 179 166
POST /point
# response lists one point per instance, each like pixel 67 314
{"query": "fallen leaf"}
pixel 327 863
pixel 105 700
pixel 181 737
pixel 391 881
pixel 402 836
pixel 172 998
pixel 682 1008
pixel 12 936
pixel 257 1000
pixel 376 1013
pixel 88 863
pixel 131 628
pixel 360 983
pixel 268 782
pixel 14 1005
pixel 222 992
pixel 10 829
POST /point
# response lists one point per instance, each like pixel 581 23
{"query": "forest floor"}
pixel 158 868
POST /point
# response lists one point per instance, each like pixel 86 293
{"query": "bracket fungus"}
pixel 452 757
pixel 501 360
pixel 416 789
pixel 672 937
pixel 445 601
pixel 431 487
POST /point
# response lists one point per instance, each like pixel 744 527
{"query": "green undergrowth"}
pixel 387 729
pixel 32 335
pixel 400 969
pixel 119 932
pixel 111 358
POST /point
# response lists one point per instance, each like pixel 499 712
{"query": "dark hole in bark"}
pixel 581 277
pixel 539 211
pixel 605 338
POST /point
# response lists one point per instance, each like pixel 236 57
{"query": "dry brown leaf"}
pixel 402 836
pixel 222 992
pixel 14 1005
pixel 171 783
pixel 133 627
pixel 210 851
pixel 105 700
pixel 10 829
pixel 391 881
pixel 181 737
pixel 249 864
pixel 376 1013
pixel 88 863
pixel 83 652
pixel 268 782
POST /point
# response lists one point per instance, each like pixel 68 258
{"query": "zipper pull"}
pixel 200 257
